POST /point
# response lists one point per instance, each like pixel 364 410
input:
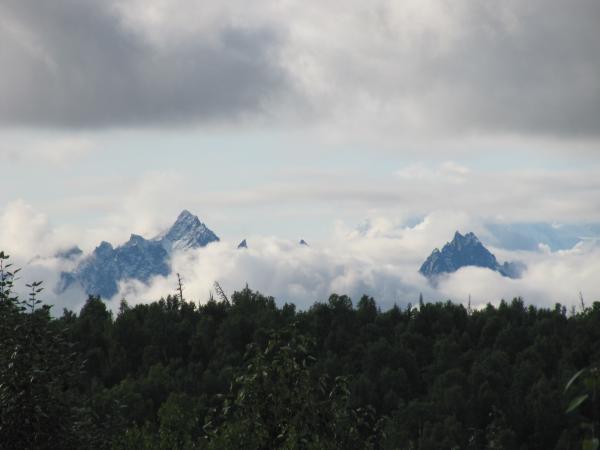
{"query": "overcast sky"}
pixel 294 119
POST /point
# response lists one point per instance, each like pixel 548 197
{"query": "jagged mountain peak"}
pixel 187 232
pixel 185 214
pixel 466 239
pixel 135 239
pixel 465 250
pixel 138 258
pixel 104 248
pixel 243 244
pixel 186 219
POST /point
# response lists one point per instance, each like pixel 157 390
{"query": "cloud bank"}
pixel 382 266
pixel 381 258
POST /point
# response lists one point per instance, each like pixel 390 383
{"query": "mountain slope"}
pixel 138 259
pixel 465 251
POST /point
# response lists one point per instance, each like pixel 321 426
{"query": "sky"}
pixel 373 130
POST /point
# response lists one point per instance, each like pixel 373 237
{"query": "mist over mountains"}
pixel 138 259
pixel 380 258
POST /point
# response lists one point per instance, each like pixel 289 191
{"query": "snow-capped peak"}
pixel 187 232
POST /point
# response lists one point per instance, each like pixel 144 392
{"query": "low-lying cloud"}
pixel 381 259
pixel 382 267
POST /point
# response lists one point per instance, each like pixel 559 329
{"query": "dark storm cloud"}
pixel 379 67
pixel 72 63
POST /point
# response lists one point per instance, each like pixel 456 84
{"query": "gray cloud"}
pixel 353 68
pixel 77 64
pixel 469 67
pixel 529 67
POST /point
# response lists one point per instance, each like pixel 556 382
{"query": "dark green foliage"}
pixel 39 372
pixel 243 373
pixel 584 386
pixel 278 401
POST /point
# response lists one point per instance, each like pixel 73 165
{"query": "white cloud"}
pixel 31 241
pixel 286 270
pixel 22 230
pixel 381 259
pixel 551 277
pixel 383 265
pixel 48 271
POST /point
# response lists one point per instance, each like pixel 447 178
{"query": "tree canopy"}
pixel 243 372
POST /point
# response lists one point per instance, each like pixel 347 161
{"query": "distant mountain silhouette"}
pixel 137 259
pixel 465 251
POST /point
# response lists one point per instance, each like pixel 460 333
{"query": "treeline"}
pixel 243 373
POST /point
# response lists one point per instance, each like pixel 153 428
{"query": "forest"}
pixel 241 372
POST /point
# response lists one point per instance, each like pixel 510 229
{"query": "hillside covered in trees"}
pixel 244 373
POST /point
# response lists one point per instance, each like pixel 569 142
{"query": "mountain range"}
pixel 466 250
pixel 139 258
pixel 100 272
